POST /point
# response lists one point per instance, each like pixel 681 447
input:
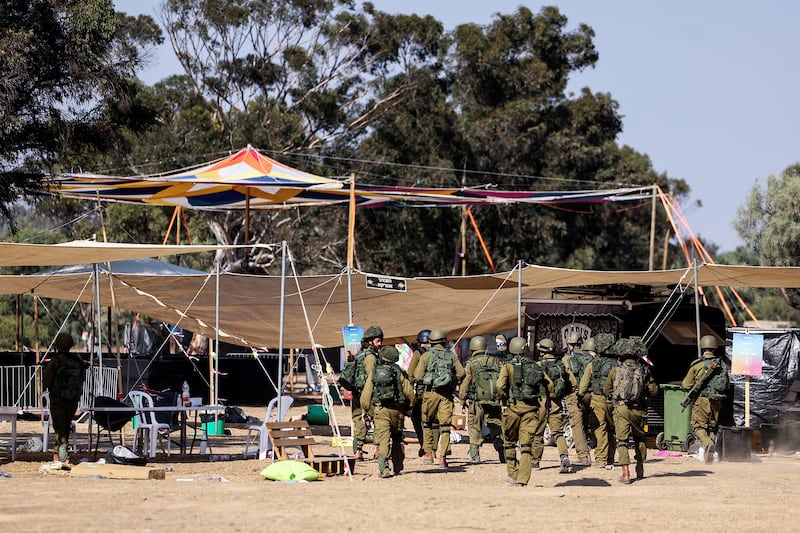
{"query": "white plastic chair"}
pixel 264 444
pixel 47 423
pixel 146 422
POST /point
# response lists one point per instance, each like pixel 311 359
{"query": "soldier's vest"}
pixel 717 385
pixel 578 361
pixel 483 388
pixel 557 373
pixel 68 379
pixel 386 385
pixel 440 375
pixel 601 367
pixel 527 382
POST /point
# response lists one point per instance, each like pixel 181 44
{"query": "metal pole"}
pixel 519 298
pixel 215 356
pixel 696 304
pixel 280 331
pixel 351 236
pixel 653 230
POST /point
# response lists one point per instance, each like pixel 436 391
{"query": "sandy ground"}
pixel 678 494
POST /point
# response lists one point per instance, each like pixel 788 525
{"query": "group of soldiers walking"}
pixel 510 400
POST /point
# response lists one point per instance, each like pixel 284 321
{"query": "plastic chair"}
pixel 47 423
pixel 264 443
pixel 146 422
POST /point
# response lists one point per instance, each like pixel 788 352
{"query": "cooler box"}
pixel 734 443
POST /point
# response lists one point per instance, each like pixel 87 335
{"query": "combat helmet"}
pixel 588 345
pixel 708 342
pixel 574 338
pixel 372 332
pixel 437 336
pixel 477 344
pixel 516 345
pixel 602 342
pixel 424 336
pixel 389 354
pixel 63 342
pixel 545 346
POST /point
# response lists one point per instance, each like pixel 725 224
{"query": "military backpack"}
pixel 578 361
pixel 440 375
pixel 629 383
pixel 485 383
pixel 557 373
pixel 68 379
pixel 717 385
pixel 354 375
pixel 386 384
pixel 601 368
pixel 528 381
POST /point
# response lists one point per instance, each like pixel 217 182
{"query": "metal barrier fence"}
pixel 18 385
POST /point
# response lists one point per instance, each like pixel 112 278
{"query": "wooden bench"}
pixel 297 434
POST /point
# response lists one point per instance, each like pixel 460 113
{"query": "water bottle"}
pixel 203 443
pixel 185 394
pixel 219 457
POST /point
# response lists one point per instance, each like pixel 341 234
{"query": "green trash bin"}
pixel 677 434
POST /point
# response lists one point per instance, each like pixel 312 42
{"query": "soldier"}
pixel 709 376
pixel 423 343
pixel 365 362
pixel 593 381
pixel 440 372
pixel 481 373
pixel 554 369
pixel 501 343
pixel 629 385
pixel 63 376
pixel 388 393
pixel 575 361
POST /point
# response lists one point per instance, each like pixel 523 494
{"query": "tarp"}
pixel 250 304
pixel 249 179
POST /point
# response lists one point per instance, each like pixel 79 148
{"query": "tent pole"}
pixel 696 305
pixel 280 330
pixel 247 217
pixel 653 230
pixel 214 359
pixel 99 317
pixel 519 297
pixel 351 230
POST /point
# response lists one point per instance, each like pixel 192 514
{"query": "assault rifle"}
pixel 694 392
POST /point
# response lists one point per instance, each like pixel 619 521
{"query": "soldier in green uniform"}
pixel 713 384
pixel 593 381
pixel 387 394
pixel 630 385
pixel 423 343
pixel 575 361
pixel 440 372
pixel 481 373
pixel 365 362
pixel 63 377
pixel 524 389
pixel 554 369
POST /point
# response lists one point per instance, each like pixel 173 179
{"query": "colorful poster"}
pixel 748 350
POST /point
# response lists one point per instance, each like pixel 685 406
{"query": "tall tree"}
pixel 67 80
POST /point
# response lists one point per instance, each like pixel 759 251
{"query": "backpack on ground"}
pixel 558 374
pixel 440 373
pixel 629 382
pixel 578 361
pixel 68 379
pixel 601 368
pixel 485 383
pixel 716 386
pixel 528 382
pixel 385 384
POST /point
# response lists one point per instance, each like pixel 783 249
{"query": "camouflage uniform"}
pixel 419 389
pixel 479 413
pixel 62 409
pixel 357 413
pixel 707 406
pixel 555 420
pixel 603 410
pixel 576 413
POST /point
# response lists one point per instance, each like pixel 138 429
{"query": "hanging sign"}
pixel 748 350
pixel 386 283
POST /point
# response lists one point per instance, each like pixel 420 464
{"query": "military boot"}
pixel 383 467
pixel 474 453
pixel 360 453
pixel 427 459
pixel 626 475
pixel 566 468
pixel 639 469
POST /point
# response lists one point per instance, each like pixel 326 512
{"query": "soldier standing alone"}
pixel 481 373
pixel 709 374
pixel 525 389
pixel 63 376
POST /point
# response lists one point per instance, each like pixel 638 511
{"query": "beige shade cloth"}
pixel 249 307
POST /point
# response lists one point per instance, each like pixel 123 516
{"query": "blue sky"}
pixel 707 89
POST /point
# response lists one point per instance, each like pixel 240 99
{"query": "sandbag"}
pixel 290 470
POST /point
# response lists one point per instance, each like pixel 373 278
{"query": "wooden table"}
pixel 9 414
